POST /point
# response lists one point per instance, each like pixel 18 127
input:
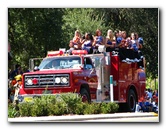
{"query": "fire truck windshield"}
pixel 60 63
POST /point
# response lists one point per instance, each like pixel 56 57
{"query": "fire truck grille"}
pixel 51 80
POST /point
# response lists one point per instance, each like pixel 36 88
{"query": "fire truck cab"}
pixel 96 77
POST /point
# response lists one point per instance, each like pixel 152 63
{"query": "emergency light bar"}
pixel 79 52
pixel 62 49
pixel 54 53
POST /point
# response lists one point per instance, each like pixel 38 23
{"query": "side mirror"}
pixel 36 68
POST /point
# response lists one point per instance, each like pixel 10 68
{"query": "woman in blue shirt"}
pixel 110 41
pixel 87 43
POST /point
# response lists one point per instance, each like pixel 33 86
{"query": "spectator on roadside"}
pixel 16 72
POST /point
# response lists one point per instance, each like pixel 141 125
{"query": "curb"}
pixel 82 117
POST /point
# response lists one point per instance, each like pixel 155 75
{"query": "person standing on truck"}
pixel 140 54
pixel 71 47
pixel 87 43
pixel 98 40
pixel 135 46
pixel 121 45
pixel 110 41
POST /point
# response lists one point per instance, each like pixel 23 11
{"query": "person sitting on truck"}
pixel 75 43
pixel 77 40
pixel 119 39
pixel 77 37
pixel 110 41
pixel 125 45
pixel 140 54
pixel 134 46
pixel 98 40
pixel 71 47
pixel 87 43
pixel 121 45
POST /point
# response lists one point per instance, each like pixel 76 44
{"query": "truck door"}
pixel 91 76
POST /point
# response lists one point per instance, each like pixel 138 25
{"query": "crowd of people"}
pixel 128 46
pixel 150 103
pixel 14 78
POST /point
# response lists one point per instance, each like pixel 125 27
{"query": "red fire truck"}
pixel 97 77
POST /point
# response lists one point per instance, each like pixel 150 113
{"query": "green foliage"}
pixel 25 109
pixel 63 104
pixel 79 109
pixel 93 108
pixel 151 83
pixel 104 108
pixel 72 100
pixel 113 107
pixel 109 107
pixel 83 19
pixel 89 109
pixel 12 112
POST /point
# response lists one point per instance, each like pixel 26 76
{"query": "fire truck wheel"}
pixel 131 101
pixel 84 95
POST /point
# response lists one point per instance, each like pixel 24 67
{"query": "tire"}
pixel 131 104
pixel 85 95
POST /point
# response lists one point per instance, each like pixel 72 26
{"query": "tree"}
pixel 83 19
pixel 34 31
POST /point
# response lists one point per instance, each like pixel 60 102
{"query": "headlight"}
pixel 57 80
pixel 29 82
pixel 64 80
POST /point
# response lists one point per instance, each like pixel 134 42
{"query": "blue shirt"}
pixel 109 42
pixel 99 39
pixel 134 45
pixel 118 40
pixel 140 40
pixel 87 45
